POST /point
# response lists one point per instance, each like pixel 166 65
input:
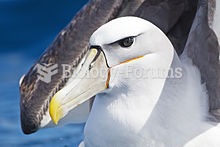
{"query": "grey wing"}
pixel 173 17
pixel 203 48
pixel 68 48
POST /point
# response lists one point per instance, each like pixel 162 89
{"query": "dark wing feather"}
pixel 203 48
pixel 68 48
pixel 163 13
pixel 173 17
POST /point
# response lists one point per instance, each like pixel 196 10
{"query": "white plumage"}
pixel 148 111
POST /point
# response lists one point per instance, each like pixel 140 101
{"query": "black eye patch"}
pixel 126 42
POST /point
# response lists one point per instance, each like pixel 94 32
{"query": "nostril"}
pixel 91 65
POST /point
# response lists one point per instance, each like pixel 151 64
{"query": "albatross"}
pixel 168 110
pixel 185 23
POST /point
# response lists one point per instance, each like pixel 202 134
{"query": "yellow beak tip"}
pixel 55 110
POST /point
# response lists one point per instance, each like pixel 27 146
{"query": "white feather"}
pixel 148 112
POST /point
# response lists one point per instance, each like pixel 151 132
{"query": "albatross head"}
pixel 121 44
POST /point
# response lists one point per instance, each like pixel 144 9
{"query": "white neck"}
pixel 182 108
pixel 149 111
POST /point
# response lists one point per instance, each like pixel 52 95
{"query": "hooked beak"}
pixel 84 85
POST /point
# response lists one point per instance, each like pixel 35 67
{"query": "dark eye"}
pixel 126 42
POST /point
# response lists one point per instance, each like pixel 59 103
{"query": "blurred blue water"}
pixel 27 27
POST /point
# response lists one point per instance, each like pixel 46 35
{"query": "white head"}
pixel 122 42
pixel 133 42
pixel 140 36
